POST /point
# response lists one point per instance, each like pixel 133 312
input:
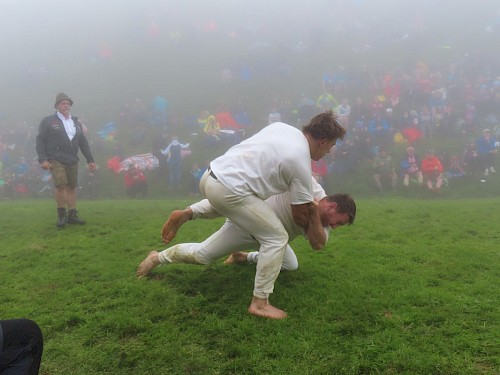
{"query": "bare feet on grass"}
pixel 174 222
pixel 238 257
pixel 261 307
pixel 147 264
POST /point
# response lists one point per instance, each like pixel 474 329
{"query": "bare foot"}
pixel 174 222
pixel 262 308
pixel 238 257
pixel 147 264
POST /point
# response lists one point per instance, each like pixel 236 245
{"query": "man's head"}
pixel 322 133
pixel 63 103
pixel 337 210
pixel 62 96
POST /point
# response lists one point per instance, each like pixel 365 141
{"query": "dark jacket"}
pixel 52 142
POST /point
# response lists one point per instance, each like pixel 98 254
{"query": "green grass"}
pixel 411 288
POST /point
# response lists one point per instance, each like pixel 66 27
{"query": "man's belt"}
pixel 212 174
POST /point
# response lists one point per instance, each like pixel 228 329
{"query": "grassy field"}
pixel 411 288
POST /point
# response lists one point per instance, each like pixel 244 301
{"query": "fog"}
pixel 53 45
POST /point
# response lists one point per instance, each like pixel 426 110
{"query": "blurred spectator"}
pixel 471 160
pixel 486 152
pixel 425 122
pixel 437 103
pixel 212 129
pixel 391 87
pixel 274 115
pixel 379 131
pixel 361 145
pixel 345 158
pixel 377 105
pixel 138 111
pixel 329 79
pixel 412 130
pixel 22 167
pixel 496 136
pixel 135 182
pixel 33 178
pixel 196 173
pixel 359 110
pixel 2 181
pixel 344 111
pixel 319 171
pixel 46 180
pixel 306 108
pixel 455 169
pixel 9 185
pixel 21 177
pixel 470 117
pixel 337 82
pixel 410 168
pixel 138 136
pixel 384 170
pixel 159 117
pixel 326 101
pixel 432 170
pixel 158 145
pixel 174 161
pixel 391 119
pixel 90 183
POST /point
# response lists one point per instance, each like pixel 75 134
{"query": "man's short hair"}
pixel 345 205
pixel 325 126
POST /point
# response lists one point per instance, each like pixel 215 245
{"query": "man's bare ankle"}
pixel 261 307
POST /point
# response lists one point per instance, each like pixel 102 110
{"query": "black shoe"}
pixel 73 218
pixel 62 217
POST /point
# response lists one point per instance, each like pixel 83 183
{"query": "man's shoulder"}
pixel 50 118
pixel 279 131
pixel 293 133
pixel 51 121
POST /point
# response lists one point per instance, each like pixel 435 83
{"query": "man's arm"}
pixel 300 214
pixel 315 232
pixel 307 217
pixel 83 143
pixel 85 148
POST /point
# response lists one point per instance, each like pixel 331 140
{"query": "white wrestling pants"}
pixel 253 215
pixel 204 210
pixel 228 239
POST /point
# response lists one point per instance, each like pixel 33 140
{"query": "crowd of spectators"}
pixel 454 111
pixel 451 117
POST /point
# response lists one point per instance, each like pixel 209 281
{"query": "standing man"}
pixel 60 136
pixel 173 153
pixel 275 160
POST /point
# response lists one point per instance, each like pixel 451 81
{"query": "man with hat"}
pixel 59 138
